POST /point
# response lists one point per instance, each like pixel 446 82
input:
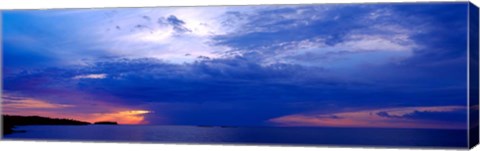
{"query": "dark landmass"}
pixel 37 120
pixel 7 128
pixel 10 121
pixel 211 126
pixel 228 126
pixel 105 123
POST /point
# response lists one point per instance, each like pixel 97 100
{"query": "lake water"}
pixel 248 135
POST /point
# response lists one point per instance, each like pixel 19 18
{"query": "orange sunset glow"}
pixel 121 115
pixel 387 118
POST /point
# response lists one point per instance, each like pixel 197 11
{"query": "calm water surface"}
pixel 247 135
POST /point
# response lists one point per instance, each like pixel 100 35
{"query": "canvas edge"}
pixel 1 76
pixel 473 75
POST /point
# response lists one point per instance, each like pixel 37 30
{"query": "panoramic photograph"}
pixel 391 74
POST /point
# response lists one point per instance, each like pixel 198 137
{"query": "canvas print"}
pixel 379 74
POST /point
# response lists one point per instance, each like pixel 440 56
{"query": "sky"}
pixel 331 65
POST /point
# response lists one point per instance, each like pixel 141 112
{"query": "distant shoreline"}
pixel 11 121
pixel 105 123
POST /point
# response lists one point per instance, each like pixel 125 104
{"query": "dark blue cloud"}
pixel 20 57
pixel 456 116
pixel 222 91
pixel 177 24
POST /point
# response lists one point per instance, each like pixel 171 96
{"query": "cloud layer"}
pixel 406 117
pixel 239 65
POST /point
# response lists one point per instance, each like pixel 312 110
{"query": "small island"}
pixel 212 126
pixel 105 123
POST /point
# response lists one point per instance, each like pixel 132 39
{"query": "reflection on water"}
pixel 248 135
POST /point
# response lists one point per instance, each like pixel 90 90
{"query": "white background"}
pixel 81 146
